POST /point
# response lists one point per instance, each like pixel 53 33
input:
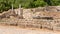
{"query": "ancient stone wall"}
pixel 30 17
pixel 50 11
pixel 32 23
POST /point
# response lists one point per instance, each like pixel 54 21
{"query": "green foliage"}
pixel 39 3
pixel 55 2
pixel 6 4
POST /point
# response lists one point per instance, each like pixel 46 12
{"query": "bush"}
pixel 6 4
pixel 39 3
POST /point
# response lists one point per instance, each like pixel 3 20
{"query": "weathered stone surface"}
pixel 29 14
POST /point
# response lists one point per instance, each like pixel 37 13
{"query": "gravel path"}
pixel 17 30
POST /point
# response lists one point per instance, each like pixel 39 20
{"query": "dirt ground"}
pixel 18 30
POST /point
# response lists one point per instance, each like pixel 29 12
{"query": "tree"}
pixel 48 2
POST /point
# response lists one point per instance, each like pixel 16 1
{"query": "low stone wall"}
pixel 51 11
pixel 28 16
pixel 35 23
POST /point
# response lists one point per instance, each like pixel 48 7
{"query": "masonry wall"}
pixel 28 18
pixel 32 23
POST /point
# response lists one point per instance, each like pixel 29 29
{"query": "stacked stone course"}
pixel 28 18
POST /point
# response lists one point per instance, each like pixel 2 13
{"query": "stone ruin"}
pixel 41 17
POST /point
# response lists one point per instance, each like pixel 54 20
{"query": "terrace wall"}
pixel 28 15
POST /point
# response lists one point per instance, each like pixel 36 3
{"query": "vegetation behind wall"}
pixel 7 4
